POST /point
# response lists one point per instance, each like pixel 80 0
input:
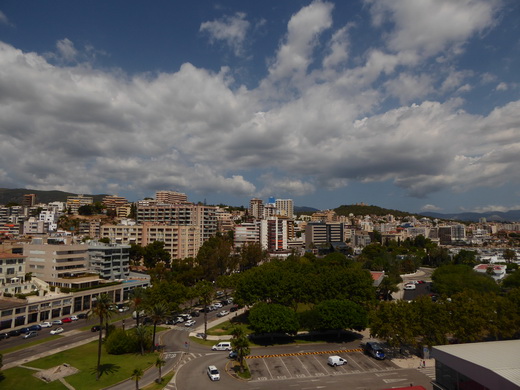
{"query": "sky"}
pixel 408 104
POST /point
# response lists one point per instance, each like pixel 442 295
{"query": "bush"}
pixel 119 342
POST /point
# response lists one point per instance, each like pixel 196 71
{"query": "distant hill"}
pixel 8 195
pixel 492 216
pixel 370 210
pixel 304 210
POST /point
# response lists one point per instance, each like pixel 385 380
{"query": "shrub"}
pixel 119 342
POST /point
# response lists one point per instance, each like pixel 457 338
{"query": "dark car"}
pixel 234 308
pixel 375 350
pixel 35 327
pixel 25 330
pixel 14 332
pixel 4 336
pixel 195 313
pixel 82 315
pixel 95 328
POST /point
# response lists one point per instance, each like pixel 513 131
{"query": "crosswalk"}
pixel 429 371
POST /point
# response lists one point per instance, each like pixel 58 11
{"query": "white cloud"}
pixel 430 207
pixel 491 208
pixel 3 19
pixel 230 29
pixel 417 23
pixel 501 87
pixel 66 49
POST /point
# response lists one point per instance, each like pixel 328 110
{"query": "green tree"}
pixel 135 253
pixel 252 255
pixel 273 318
pixel 101 310
pixel 86 209
pixel 142 336
pixel 512 280
pixel 159 363
pixel 154 253
pixel 137 301
pixel 157 312
pixel 336 314
pixel 205 292
pixel 214 257
pixel 465 257
pixel 137 374
pixel 452 279
pixel 240 344
pixel 119 342
pixel 509 255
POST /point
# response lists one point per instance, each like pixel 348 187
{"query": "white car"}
pixel 222 313
pixel 74 318
pixel 179 319
pixel 46 324
pixel 57 322
pixel 218 305
pixel 213 373
pixel 57 330
pixel 189 323
pixel 409 286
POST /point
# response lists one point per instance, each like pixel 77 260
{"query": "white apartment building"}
pixel 246 233
pixel 110 261
pixel 285 207
pixel 273 234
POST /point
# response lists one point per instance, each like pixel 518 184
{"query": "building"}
pixel 493 365
pixel 256 208
pixel 285 207
pixel 29 200
pixel 12 271
pixel 112 202
pixel 496 271
pixel 246 233
pixel 75 202
pixel 321 233
pixel 273 234
pixel 59 263
pixel 34 226
pixel 170 197
pixel 110 261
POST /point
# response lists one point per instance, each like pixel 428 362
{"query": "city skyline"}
pixel 408 105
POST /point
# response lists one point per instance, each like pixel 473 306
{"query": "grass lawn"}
pixel 115 368
pixel 29 344
pixel 22 378
pixel 159 386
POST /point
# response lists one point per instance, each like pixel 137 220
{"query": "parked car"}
pixel 95 328
pixel 74 318
pixel 233 355
pixel 409 286
pixel 4 336
pixel 336 361
pixel 179 320
pixel 57 330
pixel 234 308
pixel 14 332
pixel 375 350
pixel 195 313
pixel 189 323
pixel 25 330
pixel 82 315
pixel 213 373
pixel 46 324
pixel 217 305
pixel 30 334
pixel 185 316
pixel 57 322
pixel 222 313
pixel 222 346
pixel 35 327
pixel 66 320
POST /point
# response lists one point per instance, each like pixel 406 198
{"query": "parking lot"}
pixel 313 364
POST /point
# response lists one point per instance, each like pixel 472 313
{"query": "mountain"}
pixel 304 210
pixel 8 195
pixel 363 209
pixel 491 216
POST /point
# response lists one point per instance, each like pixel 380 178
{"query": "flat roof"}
pixel 500 357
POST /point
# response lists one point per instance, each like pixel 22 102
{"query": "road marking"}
pixel 267 369
pixel 304 353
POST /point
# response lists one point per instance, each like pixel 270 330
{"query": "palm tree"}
pixel 159 363
pixel 240 344
pixel 205 292
pixel 141 334
pixel 101 310
pixel 157 312
pixel 137 374
pixel 136 301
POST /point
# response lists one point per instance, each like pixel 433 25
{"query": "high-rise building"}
pixel 273 234
pixel 285 207
pixel 113 201
pixel 29 200
pixel 75 202
pixel 170 197
pixel 256 208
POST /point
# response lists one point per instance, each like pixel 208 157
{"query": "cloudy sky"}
pixel 406 104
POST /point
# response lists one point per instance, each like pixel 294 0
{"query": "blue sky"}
pixel 406 104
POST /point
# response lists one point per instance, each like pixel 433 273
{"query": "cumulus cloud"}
pixel 430 207
pixel 501 87
pixel 81 129
pixel 3 19
pixel 230 29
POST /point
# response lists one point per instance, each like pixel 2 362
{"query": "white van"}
pixel 336 361
pixel 222 346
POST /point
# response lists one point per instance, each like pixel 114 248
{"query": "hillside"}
pixel 370 210
pixel 8 195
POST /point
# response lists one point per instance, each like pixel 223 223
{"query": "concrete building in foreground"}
pixel 493 365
